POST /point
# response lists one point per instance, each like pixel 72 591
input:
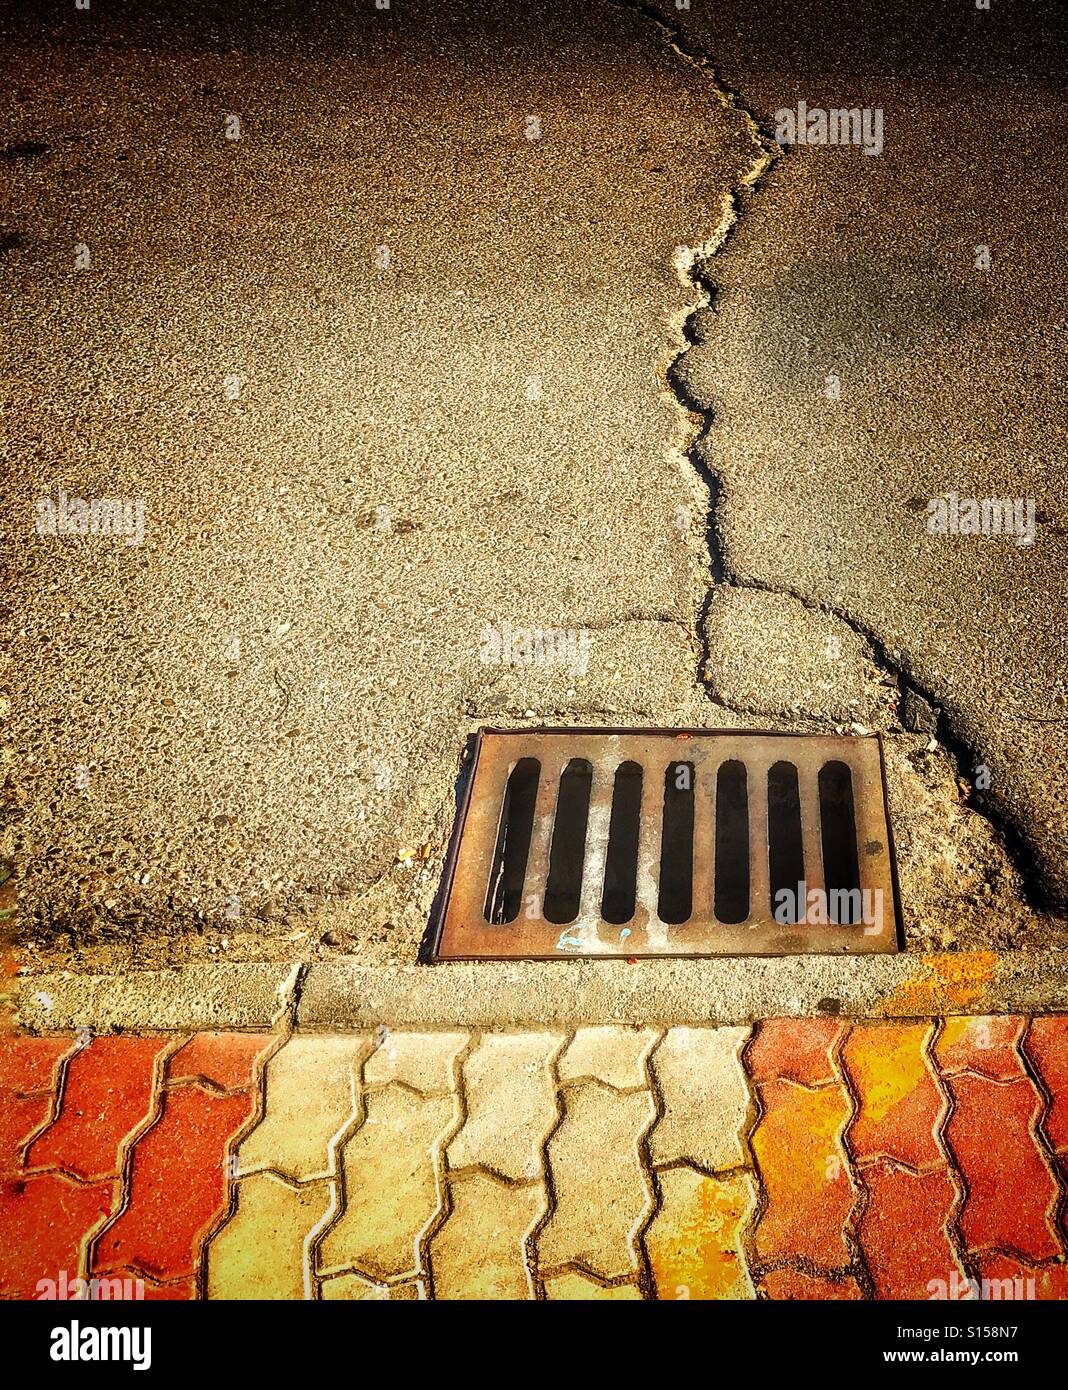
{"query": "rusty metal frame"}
pixel 459 931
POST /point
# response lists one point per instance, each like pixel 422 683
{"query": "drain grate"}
pixel 632 842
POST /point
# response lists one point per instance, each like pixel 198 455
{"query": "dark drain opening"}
pixel 621 859
pixel 675 903
pixel 563 889
pixel 732 843
pixel 786 854
pixel 838 828
pixel 504 896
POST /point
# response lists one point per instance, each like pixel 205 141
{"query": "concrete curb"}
pixel 344 995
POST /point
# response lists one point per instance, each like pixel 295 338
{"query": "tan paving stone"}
pixel 577 1288
pixel 611 1054
pixel 392 1167
pixel 311 1088
pixel 602 1193
pixel 511 1104
pixel 350 1287
pixel 695 1241
pixel 479 1253
pixel 706 1098
pixel 422 1060
pixel 260 1252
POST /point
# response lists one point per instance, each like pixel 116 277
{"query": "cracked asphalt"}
pixel 392 365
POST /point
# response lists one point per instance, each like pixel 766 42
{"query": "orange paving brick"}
pixel 797 1048
pixel 178 1184
pixel 791 1284
pixel 1011 1192
pixel 107 1095
pixel 986 1046
pixel 900 1106
pixel 903 1230
pixel 806 1182
pixel 52 1216
pixel 1047 1046
pixel 19 1117
pixel 227 1060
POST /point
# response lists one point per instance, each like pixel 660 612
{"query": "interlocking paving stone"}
pixel 480 1250
pixel 792 1284
pixel 985 1045
pixel 227 1060
pixel 426 1061
pixel 1050 1281
pixel 806 1180
pixel 695 1241
pixel 52 1215
pixel 611 1054
pixel 1011 1193
pixel 603 1194
pixel 511 1104
pixel 107 1096
pixel 903 1230
pixel 28 1066
pixel 178 1184
pixel 797 1049
pixel 577 1288
pixel 310 1100
pixel 351 1288
pixel 900 1105
pixel 393 1182
pixel 20 1116
pixel 705 1096
pixel 261 1252
pixel 1047 1046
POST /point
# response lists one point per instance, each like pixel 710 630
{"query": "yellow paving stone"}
pixel 350 1287
pixel 422 1060
pixel 577 1288
pixel 479 1253
pixel 260 1252
pixel 392 1167
pixel 602 1192
pixel 612 1054
pixel 310 1100
pixel 511 1104
pixel 706 1099
pixel 695 1241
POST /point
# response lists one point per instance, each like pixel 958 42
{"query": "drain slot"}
pixel 838 829
pixel 732 843
pixel 504 896
pixel 621 860
pixel 563 891
pixel 675 902
pixel 786 852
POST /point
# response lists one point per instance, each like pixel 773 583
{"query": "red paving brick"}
pixel 52 1217
pixel 19 1117
pixel 902 1231
pixel 1047 1046
pixel 900 1107
pixel 228 1060
pixel 986 1046
pixel 178 1184
pixel 107 1095
pixel 806 1182
pixel 28 1065
pixel 1050 1281
pixel 799 1049
pixel 790 1284
pixel 1011 1192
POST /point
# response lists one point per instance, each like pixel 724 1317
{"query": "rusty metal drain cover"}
pixel 635 842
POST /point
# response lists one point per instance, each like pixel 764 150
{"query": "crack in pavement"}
pixel 692 265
